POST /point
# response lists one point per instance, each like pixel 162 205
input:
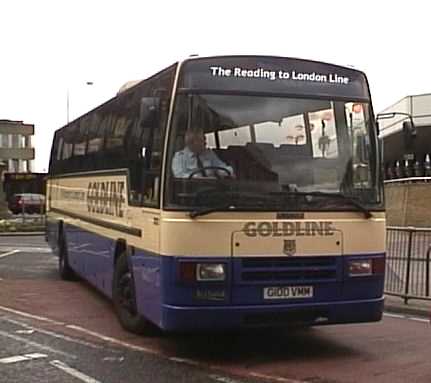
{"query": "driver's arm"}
pixel 179 165
pixel 215 161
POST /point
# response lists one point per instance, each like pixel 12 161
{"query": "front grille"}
pixel 293 269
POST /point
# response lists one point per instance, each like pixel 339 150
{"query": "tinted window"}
pixel 95 136
pixel 116 136
pixel 55 153
pixel 265 147
pixel 148 138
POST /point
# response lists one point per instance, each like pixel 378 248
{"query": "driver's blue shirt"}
pixel 185 162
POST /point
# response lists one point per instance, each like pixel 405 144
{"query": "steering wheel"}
pixel 201 170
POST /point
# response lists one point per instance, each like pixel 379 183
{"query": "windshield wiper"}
pixel 351 200
pixel 233 200
pixel 212 209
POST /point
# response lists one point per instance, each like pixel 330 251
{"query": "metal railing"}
pixel 408 263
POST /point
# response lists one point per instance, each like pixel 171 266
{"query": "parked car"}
pixel 27 203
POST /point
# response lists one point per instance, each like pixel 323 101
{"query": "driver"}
pixel 196 156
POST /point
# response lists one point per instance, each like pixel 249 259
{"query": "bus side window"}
pixel 67 149
pixel 95 140
pixel 79 146
pixel 57 146
pixel 144 141
pixel 145 172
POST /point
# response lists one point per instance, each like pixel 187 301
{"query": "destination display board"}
pixel 276 75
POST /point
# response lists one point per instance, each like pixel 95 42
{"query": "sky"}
pixel 50 49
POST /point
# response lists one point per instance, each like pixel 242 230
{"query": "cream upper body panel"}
pixel 257 234
pixel 99 204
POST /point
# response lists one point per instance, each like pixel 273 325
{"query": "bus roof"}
pixel 360 88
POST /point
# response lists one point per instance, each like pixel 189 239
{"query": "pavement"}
pixel 414 307
pixel 20 234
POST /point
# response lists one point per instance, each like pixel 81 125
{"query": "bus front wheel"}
pixel 124 298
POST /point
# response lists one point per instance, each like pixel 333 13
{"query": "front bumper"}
pixel 175 318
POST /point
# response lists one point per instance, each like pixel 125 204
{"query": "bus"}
pixel 281 224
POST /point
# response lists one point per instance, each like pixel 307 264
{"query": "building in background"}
pixel 406 156
pixel 407 162
pixel 16 151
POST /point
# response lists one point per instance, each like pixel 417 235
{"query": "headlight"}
pixel 210 272
pixel 360 268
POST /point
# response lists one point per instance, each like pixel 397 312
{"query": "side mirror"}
pixel 409 128
pixel 381 150
pixel 361 148
pixel 149 111
pixel 361 173
pixel 410 133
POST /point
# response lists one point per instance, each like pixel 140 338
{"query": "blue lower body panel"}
pixel 238 301
pixel 228 317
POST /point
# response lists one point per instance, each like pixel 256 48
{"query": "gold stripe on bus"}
pixel 100 222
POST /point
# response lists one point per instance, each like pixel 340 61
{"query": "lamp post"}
pixel 67 103
pixel 68 99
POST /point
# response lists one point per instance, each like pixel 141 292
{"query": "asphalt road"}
pixel 57 331
pixel 33 354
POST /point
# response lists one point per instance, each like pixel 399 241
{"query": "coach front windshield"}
pixel 270 153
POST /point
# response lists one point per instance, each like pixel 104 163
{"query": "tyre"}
pixel 64 269
pixel 124 298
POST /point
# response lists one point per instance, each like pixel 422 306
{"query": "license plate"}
pixel 287 292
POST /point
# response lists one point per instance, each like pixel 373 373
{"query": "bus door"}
pixel 286 262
